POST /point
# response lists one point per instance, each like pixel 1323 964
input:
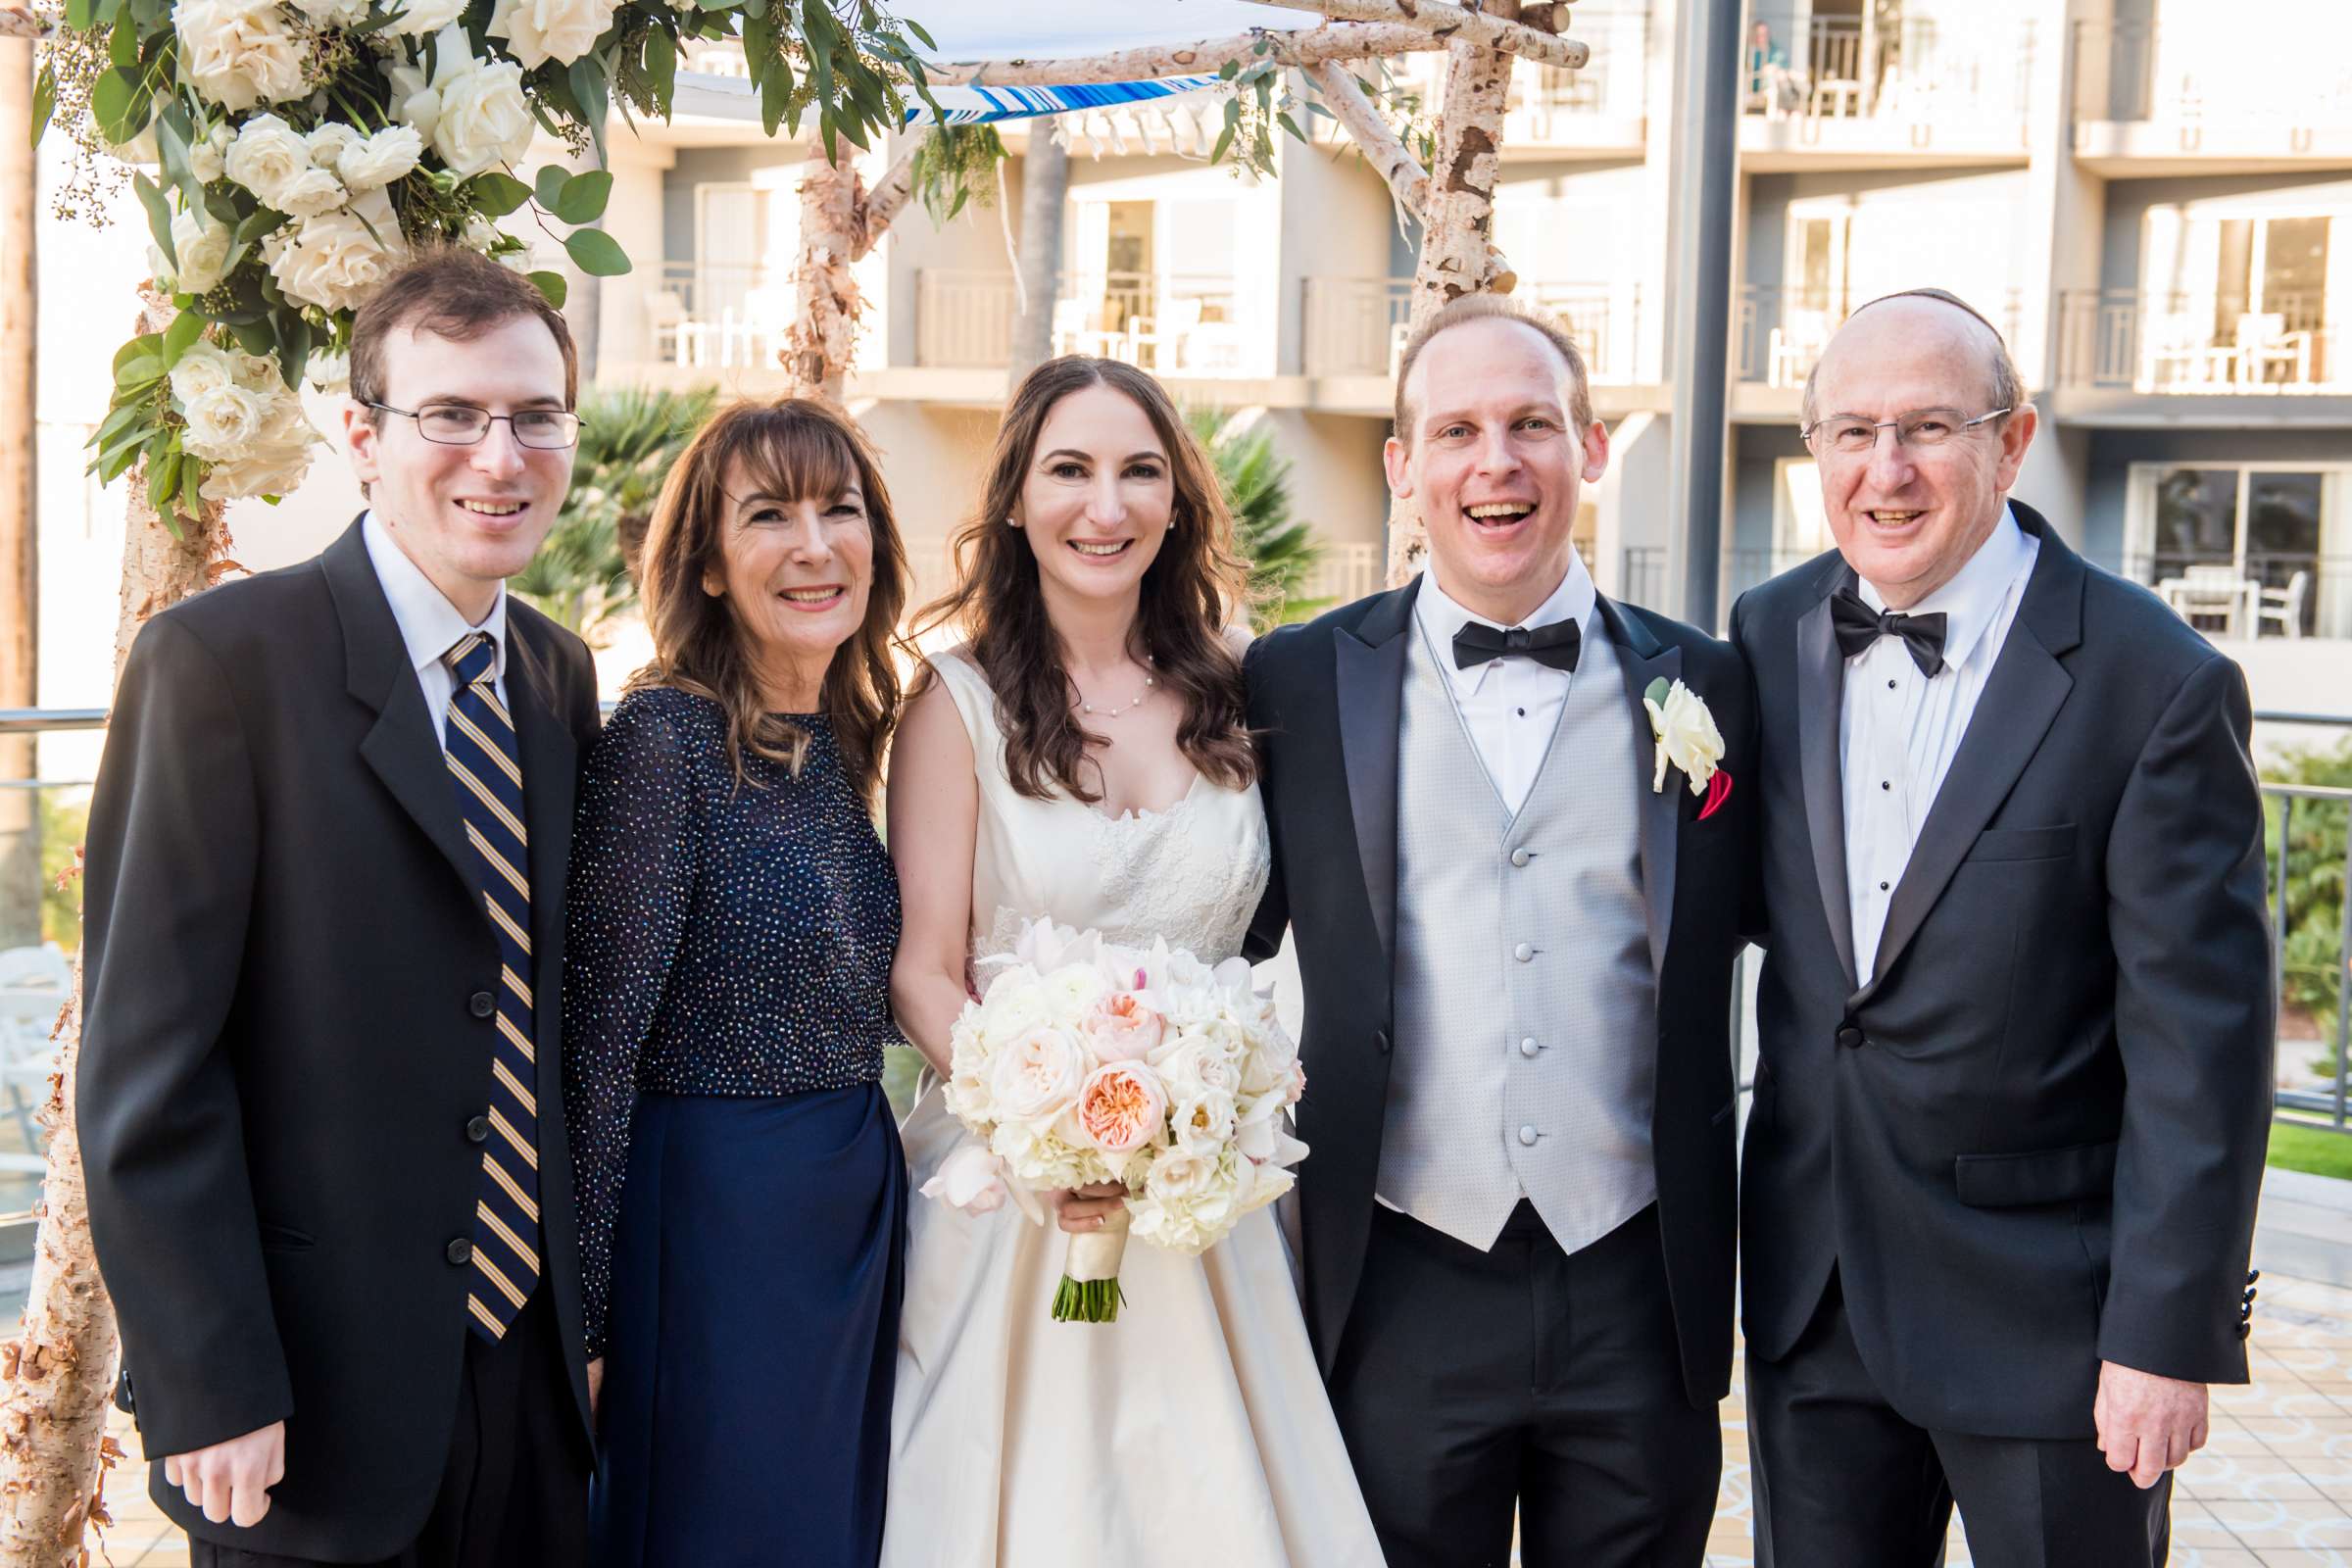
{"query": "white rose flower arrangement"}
pixel 291 153
pixel 1085 1063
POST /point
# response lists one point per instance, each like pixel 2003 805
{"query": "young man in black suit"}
pixel 319 1094
pixel 2017 1019
pixel 1515 917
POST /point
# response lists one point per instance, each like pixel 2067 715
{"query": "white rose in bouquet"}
pixel 202 367
pixel 328 372
pixel 333 13
pixel 1037 1075
pixel 272 161
pixel 208 156
pixel 328 143
pixel 540 30
pixel 239 53
pixel 203 249
pixel 223 422
pixel 378 160
pixel 472 111
pixel 421 19
pixel 337 260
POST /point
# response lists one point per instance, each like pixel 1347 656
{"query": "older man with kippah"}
pixel 2014 1092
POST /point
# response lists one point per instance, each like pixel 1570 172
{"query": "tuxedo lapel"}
pixel 401 748
pixel 2021 698
pixel 1820 703
pixel 1369 686
pixel 1641 659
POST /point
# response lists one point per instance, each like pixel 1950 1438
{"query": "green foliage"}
pixel 117 71
pixel 954 164
pixel 2318 1148
pixel 65 823
pixel 2312 934
pixel 629 440
pixel 1257 482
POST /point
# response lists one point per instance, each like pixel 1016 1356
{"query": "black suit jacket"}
pixel 282 944
pixel 2035 1140
pixel 1326 697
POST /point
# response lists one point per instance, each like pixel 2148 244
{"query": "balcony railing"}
pixel 717 314
pixel 1174 324
pixel 1358 326
pixel 2202 343
pixel 1549 105
pixel 1343 573
pixel 1920 73
pixel 2199 76
pixel 1779 332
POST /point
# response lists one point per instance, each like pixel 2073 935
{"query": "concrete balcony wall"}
pixel 2175 85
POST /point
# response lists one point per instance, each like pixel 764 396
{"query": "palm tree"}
pixel 629 438
pixel 1257 482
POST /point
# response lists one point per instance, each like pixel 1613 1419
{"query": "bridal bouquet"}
pixel 1085 1063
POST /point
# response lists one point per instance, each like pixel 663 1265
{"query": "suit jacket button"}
pixel 481 1003
pixel 1851 1037
pixel 478 1129
pixel 1380 1041
pixel 2245 1329
pixel 2252 1275
pixel 459 1251
pixel 1520 857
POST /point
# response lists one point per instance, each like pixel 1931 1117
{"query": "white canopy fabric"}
pixel 971 30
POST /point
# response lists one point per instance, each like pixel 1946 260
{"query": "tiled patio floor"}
pixel 2273 1489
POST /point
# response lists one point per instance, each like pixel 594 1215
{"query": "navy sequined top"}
pixel 719 939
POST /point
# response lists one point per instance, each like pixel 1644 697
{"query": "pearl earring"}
pixel 1012 522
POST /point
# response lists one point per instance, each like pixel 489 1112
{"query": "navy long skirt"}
pixel 756 1272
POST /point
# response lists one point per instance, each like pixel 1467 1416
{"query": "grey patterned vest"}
pixel 1526 1010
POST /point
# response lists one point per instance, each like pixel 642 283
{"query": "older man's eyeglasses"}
pixel 1849 435
pixel 453 425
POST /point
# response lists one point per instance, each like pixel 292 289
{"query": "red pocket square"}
pixel 1719 790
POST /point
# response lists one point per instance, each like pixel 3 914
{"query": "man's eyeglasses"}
pixel 1850 435
pixel 453 425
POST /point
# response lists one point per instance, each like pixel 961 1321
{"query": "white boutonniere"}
pixel 1687 738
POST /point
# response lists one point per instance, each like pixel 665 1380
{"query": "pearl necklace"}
pixel 1092 711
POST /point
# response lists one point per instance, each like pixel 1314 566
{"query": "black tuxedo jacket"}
pixel 2033 1141
pixel 1325 698
pixel 284 947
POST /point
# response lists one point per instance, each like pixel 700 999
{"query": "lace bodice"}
pixel 1192 873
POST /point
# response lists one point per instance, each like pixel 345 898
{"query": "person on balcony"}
pixel 2013 1096
pixel 319 1102
pixel 1772 87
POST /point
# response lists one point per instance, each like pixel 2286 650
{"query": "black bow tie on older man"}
pixel 1555 644
pixel 1858 627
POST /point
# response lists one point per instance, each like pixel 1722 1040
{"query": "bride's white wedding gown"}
pixel 1194 1431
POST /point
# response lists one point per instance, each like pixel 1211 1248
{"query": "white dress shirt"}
pixel 429 624
pixel 1509 705
pixel 1898 729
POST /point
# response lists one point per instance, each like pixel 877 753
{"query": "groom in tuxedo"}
pixel 1515 924
pixel 2016 1018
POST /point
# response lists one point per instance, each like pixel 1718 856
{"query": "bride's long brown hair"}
pixel 1193 588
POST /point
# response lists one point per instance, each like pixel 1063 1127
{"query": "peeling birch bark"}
pixel 823 336
pixel 1493 25
pixel 57 1376
pixel 1338 41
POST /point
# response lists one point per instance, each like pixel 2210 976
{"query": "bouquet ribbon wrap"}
pixel 1090 1274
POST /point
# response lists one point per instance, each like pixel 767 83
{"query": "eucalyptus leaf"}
pixel 163 481
pixel 583 196
pixel 596 253
pixel 123 45
pixel 548 187
pixel 593 93
pixel 185 329
pixel 114 98
pixel 255 338
pixel 80 14
pixel 661 66
pixel 554 286
pixel 191 495
pixel 44 102
pixel 496 194
pixel 293 348
pixel 159 216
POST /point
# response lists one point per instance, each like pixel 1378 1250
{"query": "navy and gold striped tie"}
pixel 480 744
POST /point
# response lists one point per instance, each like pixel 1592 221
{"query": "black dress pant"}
pixel 1841 1481
pixel 514 1491
pixel 1471 1382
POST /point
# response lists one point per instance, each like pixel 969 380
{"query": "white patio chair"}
pixel 2263 341
pixel 2284 605
pixel 2181 342
pixel 1163 333
pixel 1794 345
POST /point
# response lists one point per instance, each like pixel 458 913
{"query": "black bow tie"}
pixel 1858 627
pixel 1554 644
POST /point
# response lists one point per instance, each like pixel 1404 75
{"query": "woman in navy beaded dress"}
pixel 730 927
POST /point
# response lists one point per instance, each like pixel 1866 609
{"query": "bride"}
pixel 1083 756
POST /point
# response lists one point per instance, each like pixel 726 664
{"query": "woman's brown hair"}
pixel 799 450
pixel 1190 591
